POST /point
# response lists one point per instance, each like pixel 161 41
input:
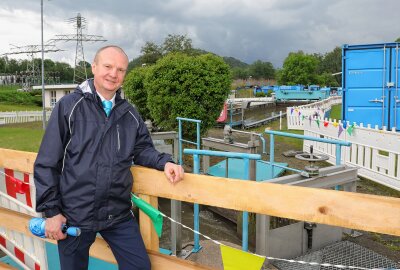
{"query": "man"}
pixel 82 171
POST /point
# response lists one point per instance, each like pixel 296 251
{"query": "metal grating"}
pixel 341 253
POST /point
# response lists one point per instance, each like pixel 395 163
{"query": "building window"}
pixel 66 92
pixel 53 98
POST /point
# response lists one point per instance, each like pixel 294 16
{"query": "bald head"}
pixel 115 47
pixel 109 68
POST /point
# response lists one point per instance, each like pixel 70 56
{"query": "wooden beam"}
pixel 344 209
pixel 149 234
pixel 17 160
pixel 19 222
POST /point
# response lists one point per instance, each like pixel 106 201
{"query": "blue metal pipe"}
pixel 196 208
pixel 338 154
pixel 198 134
pixel 272 154
pixel 221 154
pixel 180 141
pixel 189 120
pixel 310 138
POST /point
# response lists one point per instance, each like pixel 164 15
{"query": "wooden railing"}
pixel 345 209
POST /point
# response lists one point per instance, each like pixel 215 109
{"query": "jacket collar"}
pixel 88 90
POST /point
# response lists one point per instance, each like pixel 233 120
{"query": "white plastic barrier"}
pixel 28 252
pixel 297 115
pixel 375 152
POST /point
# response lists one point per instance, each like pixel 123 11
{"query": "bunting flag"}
pixel 149 210
pixel 326 123
pixel 344 124
pixel 291 111
pixel 303 117
pixel 235 259
pixel 317 122
pixel 350 129
pixel 299 113
pixel 340 130
pixel 335 124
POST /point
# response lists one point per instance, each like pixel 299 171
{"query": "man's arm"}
pixel 146 155
pixel 47 172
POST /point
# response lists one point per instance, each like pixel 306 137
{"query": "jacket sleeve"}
pixel 48 164
pixel 145 153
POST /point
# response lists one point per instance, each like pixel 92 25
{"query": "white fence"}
pixel 375 152
pixel 297 115
pixel 22 117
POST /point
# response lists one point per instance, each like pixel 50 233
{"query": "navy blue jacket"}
pixel 83 166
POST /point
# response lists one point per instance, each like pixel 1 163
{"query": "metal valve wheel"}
pixel 311 157
pixel 312 169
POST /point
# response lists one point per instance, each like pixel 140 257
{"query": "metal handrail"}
pixel 196 169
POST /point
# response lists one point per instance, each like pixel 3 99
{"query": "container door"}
pixel 394 89
pixel 366 95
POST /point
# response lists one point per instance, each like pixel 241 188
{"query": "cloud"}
pixel 247 30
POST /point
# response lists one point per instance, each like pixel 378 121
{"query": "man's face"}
pixel 109 70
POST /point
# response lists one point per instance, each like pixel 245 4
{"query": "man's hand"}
pixel 173 172
pixel 53 227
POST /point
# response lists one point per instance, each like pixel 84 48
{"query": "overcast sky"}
pixel 245 29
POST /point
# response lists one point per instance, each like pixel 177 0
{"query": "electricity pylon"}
pixel 32 74
pixel 79 23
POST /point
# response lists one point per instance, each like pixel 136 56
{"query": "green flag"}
pixel 235 259
pixel 149 210
pixel 350 129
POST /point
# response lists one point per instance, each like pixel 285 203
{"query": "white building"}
pixel 53 93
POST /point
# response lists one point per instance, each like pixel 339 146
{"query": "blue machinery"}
pixel 246 158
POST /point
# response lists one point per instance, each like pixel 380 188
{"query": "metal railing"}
pixel 246 168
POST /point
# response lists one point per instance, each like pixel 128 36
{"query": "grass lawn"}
pixel 24 136
pixel 18 107
pixel 336 112
pixel 274 125
pixel 9 87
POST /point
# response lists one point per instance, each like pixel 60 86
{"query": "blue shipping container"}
pixel 370 84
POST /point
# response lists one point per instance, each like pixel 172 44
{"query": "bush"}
pixel 135 91
pixel 25 98
pixel 179 85
pixel 260 94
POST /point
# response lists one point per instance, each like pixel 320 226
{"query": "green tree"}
pixel 331 63
pixel 397 40
pixel 240 73
pixel 135 91
pixel 151 52
pixel 262 70
pixel 186 86
pixel 177 43
pixel 299 68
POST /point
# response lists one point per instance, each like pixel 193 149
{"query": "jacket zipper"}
pixel 119 143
